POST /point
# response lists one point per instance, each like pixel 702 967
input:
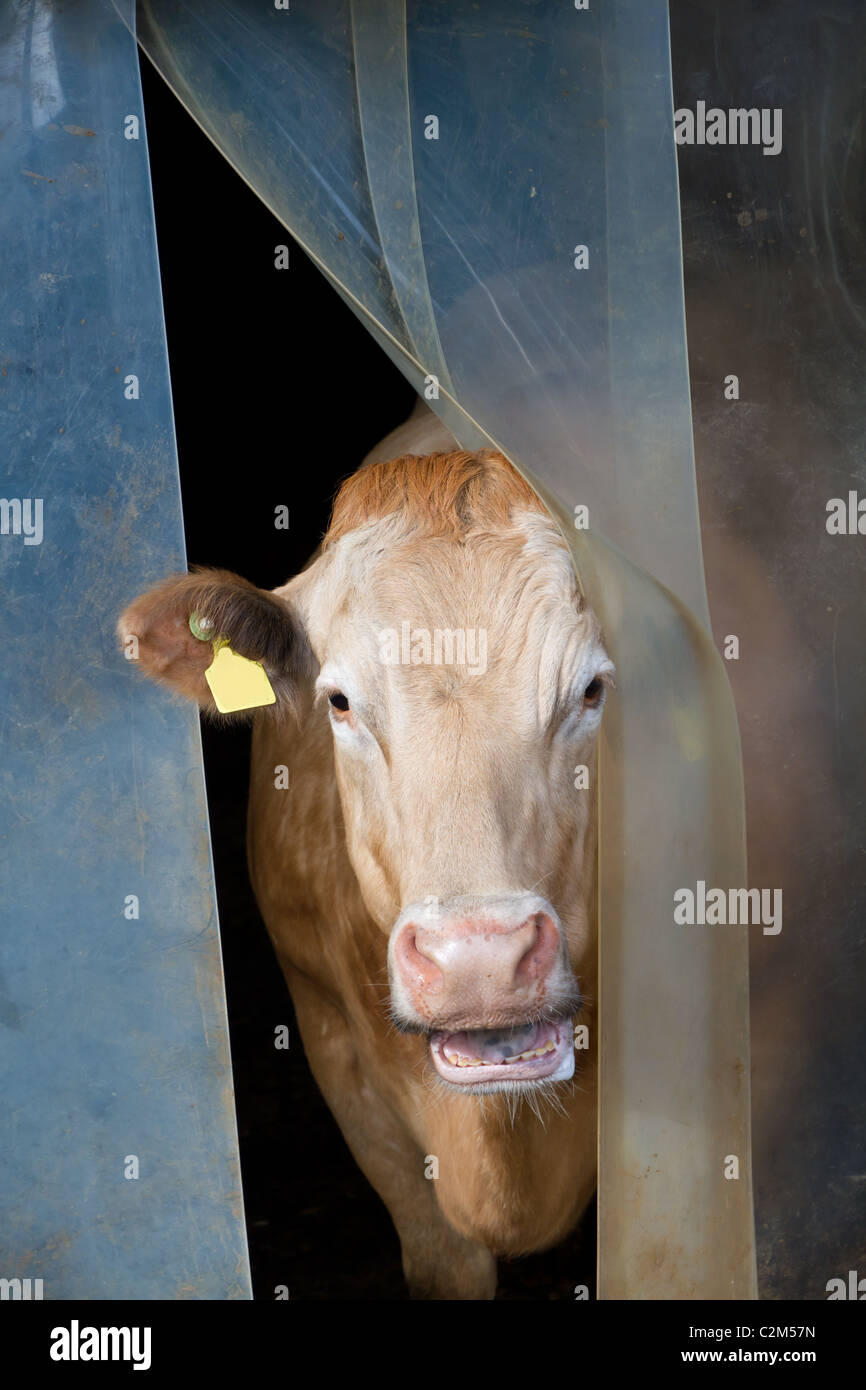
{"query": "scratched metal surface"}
pixel 114 1037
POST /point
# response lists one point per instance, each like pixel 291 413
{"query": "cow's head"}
pixel 442 634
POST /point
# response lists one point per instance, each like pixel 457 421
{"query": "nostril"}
pixel 539 957
pixel 416 967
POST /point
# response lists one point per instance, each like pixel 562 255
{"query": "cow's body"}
pixel 480 806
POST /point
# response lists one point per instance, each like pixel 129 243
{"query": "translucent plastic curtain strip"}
pixel 379 46
pixel 292 94
pixel 653 447
pixel 675 1092
pixel 675 1220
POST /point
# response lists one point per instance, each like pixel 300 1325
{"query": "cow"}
pixel 428 875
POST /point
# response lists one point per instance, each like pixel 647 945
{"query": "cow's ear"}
pixel 257 624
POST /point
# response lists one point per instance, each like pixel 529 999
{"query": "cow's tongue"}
pixel 492 1046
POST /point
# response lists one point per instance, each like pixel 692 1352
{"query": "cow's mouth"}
pixel 532 1052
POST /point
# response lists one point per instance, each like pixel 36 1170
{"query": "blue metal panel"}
pixel 114 1034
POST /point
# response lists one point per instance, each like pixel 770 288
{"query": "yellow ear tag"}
pixel 236 682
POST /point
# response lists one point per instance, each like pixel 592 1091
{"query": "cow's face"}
pixel 464 683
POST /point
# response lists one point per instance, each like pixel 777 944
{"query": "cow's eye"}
pixel 339 701
pixel 593 693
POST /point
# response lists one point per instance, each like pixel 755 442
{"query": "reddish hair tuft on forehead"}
pixel 434 495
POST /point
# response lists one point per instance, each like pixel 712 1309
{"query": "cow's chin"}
pixel 486 1059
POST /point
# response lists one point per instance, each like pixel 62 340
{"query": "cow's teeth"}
pixel 538 1052
pixel 457 1060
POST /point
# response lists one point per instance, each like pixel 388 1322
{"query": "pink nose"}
pixel 453 968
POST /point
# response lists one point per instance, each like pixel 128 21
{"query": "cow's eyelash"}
pixel 325 694
pixel 322 695
pixel 603 678
pixel 574 705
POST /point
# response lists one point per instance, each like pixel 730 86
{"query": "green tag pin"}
pixel 202 628
pixel 236 683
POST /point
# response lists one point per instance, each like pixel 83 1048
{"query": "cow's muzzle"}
pixel 488 979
